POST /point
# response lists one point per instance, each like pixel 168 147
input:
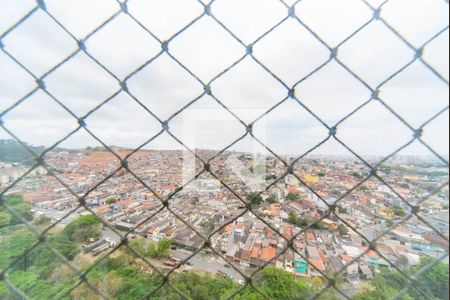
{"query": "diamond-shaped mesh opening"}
pixel 259 92
pixel 434 54
pixel 46 116
pixel 94 14
pixel 130 48
pixel 343 95
pixel 249 19
pixel 375 40
pixel 289 40
pixel 316 171
pixel 163 18
pixel 416 11
pixel 437 146
pixel 428 99
pixel 81 94
pixel 180 88
pixel 337 21
pixel 18 85
pixel 115 117
pixel 40 268
pixel 121 203
pixel 40 32
pixel 380 127
pixel 211 42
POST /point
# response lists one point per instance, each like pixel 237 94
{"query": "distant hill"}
pixel 13 152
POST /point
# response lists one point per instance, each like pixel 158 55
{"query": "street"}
pixel 208 263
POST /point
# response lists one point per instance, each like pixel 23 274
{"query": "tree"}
pixel 43 220
pixel 405 185
pixel 140 246
pixel 434 283
pixel 255 198
pixel 209 225
pixel 270 177
pixel 164 247
pixel 342 210
pixel 403 263
pixel 21 208
pixel 364 188
pixel 278 284
pixel 399 212
pixel 293 219
pixel 13 152
pixel 303 222
pixel 319 225
pixel 83 229
pixel 357 175
pixel 272 199
pixel 5 219
pixel 292 197
pixel 111 201
pixel 161 249
pixel 343 230
pixel 389 223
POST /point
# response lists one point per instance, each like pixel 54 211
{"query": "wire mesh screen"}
pixel 205 238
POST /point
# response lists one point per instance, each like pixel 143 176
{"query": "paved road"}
pixel 208 263
pixel 56 215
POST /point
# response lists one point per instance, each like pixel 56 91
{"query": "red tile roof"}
pixel 268 253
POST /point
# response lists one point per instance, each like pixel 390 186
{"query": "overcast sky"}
pixel 290 52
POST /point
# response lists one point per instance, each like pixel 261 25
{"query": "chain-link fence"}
pixel 247 205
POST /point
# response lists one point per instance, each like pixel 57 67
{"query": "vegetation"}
pixel 399 212
pixel 161 249
pixel 19 206
pixel 111 201
pixel 303 222
pixel 433 283
pixel 209 225
pixel 272 199
pixel 292 197
pixel 412 171
pixel 271 177
pixel 342 210
pixel 13 152
pixel 42 275
pixel 389 223
pixel 83 229
pixel 343 230
pixel 255 198
pixel 357 175
pixel 42 220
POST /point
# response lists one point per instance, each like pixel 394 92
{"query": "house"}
pixel 267 255
pixel 187 239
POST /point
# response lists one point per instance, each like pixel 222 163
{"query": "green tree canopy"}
pixel 343 230
pixel 83 229
pixel 19 206
pixel 254 198
pixel 292 197
pixel 161 249
pixel 111 200
pixel 399 212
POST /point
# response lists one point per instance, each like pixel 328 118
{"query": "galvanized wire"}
pixel 333 129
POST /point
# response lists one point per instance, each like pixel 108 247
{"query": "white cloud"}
pixel 290 51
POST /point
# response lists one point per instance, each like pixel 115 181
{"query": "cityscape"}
pixel 224 150
pixel 329 207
